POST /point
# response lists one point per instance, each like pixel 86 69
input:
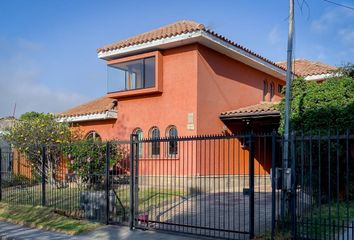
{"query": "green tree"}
pixel 320 107
pixel 33 131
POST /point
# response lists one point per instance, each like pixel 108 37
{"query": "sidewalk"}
pixel 13 231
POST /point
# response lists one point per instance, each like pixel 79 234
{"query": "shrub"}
pixel 87 159
pixel 320 107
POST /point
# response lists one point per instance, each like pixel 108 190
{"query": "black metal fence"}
pixel 83 180
pixel 217 186
pixel 207 185
pixel 322 194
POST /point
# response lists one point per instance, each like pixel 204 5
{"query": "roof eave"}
pixel 108 115
pixel 162 43
pixel 204 38
pixel 322 76
pixel 242 116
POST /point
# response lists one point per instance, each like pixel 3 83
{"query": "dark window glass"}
pixel 149 72
pixel 271 91
pixel 131 75
pixel 155 145
pixel 280 88
pixel 172 144
pixel 265 89
pixel 139 132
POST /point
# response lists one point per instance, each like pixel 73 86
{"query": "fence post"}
pixel 136 174
pixel 293 187
pixel 132 185
pixel 107 181
pixel 273 182
pixel 251 186
pixel 0 175
pixel 44 157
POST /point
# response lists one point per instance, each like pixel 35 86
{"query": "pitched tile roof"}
pixel 162 32
pixel 174 29
pixel 264 108
pixel 99 105
pixel 303 67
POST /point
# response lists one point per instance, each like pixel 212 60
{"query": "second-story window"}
pixel 280 88
pixel 265 90
pixel 131 75
pixel 271 91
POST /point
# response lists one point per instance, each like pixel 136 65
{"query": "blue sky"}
pixel 48 59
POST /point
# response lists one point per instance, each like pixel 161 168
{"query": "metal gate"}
pixel 216 186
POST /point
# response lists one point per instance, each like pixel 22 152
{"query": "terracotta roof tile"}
pixel 303 67
pixel 264 107
pixel 99 105
pixel 174 29
pixel 170 30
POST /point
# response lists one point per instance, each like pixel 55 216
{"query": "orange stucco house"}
pixel 180 75
pixel 181 80
pixel 186 77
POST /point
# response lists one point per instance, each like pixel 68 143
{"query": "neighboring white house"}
pixel 4 123
pixel 6 153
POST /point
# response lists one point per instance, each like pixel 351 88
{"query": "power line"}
pixel 341 5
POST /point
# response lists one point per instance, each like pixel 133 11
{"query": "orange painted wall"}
pixel 105 128
pixel 225 84
pixel 179 97
pixel 21 166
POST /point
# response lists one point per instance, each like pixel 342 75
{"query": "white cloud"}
pixel 274 36
pixel 19 83
pixel 324 22
pixel 336 28
pixel 347 35
pixel 334 18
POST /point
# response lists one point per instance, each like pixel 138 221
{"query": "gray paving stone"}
pixel 11 231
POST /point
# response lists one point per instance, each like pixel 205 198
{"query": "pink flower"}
pixel 72 161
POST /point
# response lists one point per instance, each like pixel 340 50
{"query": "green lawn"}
pixel 68 199
pixel 43 217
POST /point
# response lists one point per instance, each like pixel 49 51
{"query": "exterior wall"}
pixel 105 128
pixel 225 84
pixel 21 166
pixel 179 97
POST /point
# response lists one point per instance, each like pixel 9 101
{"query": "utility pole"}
pixel 285 172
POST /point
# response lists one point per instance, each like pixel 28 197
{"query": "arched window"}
pixel 265 89
pixel 155 145
pixel 93 136
pixel 140 134
pixel 172 144
pixel 280 88
pixel 271 91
